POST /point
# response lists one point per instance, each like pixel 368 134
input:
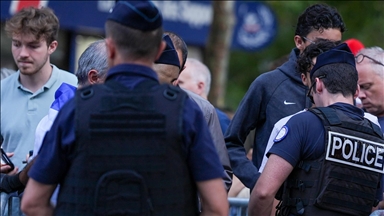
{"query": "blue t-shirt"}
pixel 223 119
pixel 304 136
pixel 53 163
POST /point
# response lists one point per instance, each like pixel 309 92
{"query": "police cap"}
pixel 338 54
pixel 169 55
pixel 140 15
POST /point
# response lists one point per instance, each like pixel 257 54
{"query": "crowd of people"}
pixel 131 131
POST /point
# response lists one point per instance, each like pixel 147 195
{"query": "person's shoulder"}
pixel 8 82
pixel 303 117
pixel 66 76
pixel 201 102
pixel 284 120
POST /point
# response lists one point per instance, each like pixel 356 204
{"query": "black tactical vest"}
pixel 128 158
pixel 344 180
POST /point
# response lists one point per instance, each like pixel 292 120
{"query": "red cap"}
pixel 354 45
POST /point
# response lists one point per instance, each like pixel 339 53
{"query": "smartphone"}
pixel 5 160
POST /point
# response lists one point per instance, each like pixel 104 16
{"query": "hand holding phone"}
pixel 6 161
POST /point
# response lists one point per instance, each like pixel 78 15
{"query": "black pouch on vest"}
pixel 122 192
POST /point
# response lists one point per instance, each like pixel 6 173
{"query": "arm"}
pixel 275 173
pixel 36 199
pixel 213 197
pixel 243 122
pixel 218 141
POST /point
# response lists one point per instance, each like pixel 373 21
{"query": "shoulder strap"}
pixel 330 118
pixel 327 115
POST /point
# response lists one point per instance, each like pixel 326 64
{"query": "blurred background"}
pixel 260 34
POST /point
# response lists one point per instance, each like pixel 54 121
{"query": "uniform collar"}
pixel 131 70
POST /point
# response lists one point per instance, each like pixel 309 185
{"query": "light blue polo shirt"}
pixel 22 110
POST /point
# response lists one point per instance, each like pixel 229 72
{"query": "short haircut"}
pixel 93 58
pixel 318 17
pixel 376 53
pixel 304 61
pixel 179 44
pixel 201 73
pixel 132 43
pixel 338 78
pixel 40 22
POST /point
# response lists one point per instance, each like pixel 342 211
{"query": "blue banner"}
pixel 255 28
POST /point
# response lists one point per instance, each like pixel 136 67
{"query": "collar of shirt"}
pixel 51 81
pixel 352 111
pixel 131 74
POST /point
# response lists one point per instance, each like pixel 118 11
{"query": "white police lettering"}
pixel 355 151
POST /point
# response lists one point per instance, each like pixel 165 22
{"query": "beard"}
pixel 30 67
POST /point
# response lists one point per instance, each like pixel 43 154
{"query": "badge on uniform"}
pixel 282 134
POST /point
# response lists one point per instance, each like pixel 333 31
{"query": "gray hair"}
pixel 201 73
pixel 93 58
pixel 376 53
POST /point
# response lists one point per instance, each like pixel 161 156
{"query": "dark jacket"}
pixel 271 96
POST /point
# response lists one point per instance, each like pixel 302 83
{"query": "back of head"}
pixel 180 46
pixel 319 17
pixel 93 58
pixel 40 22
pixel 377 54
pixel 167 65
pixel 199 72
pixel 337 69
pixel 305 60
pixel 136 29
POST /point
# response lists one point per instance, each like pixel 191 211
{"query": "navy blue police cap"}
pixel 338 54
pixel 140 15
pixel 169 55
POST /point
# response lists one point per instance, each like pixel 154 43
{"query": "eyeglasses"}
pixel 311 41
pixel 309 95
pixel 359 58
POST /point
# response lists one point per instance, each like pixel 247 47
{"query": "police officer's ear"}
pixel 111 48
pixel 319 86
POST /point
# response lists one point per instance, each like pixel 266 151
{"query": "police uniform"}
pixel 305 146
pixel 128 147
pixel 59 143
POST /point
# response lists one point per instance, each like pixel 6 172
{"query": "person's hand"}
pixel 4 168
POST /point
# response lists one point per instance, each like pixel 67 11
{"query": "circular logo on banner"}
pixel 282 134
pixel 256 26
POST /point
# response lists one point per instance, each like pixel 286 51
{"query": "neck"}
pixel 330 99
pixel 142 61
pixel 35 81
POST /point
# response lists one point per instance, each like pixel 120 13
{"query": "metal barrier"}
pixel 238 206
pixel 13 204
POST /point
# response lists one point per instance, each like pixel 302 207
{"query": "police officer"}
pixel 330 159
pixel 130 146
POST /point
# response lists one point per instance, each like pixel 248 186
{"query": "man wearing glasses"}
pixel 370 66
